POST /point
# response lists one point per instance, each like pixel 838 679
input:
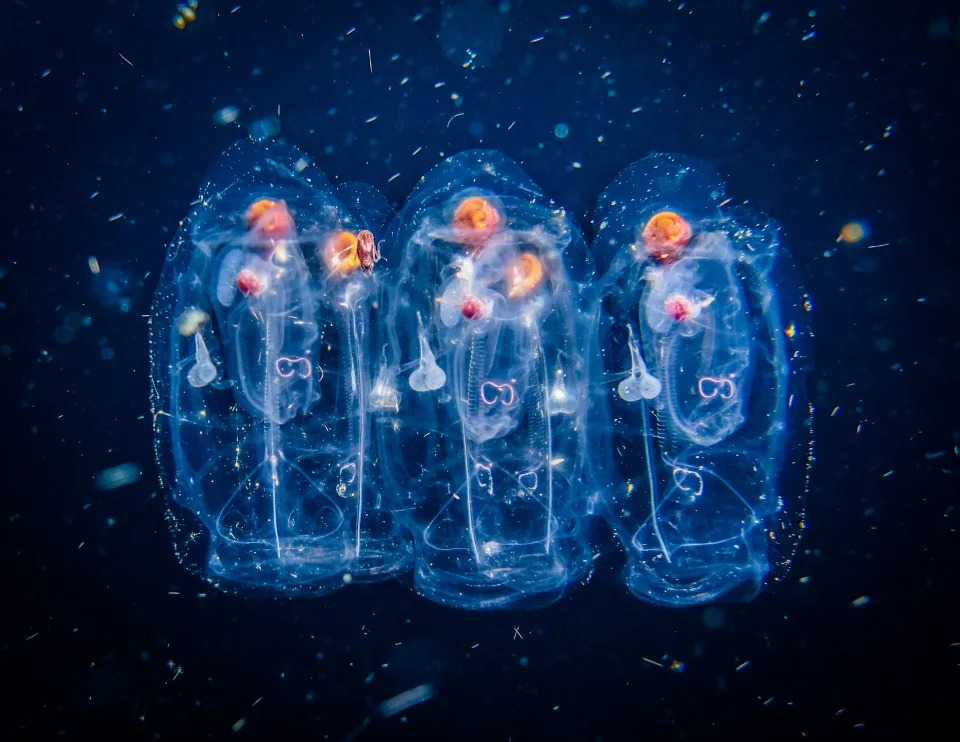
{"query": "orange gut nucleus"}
pixel 524 274
pixel 665 235
pixel 340 253
pixel 474 221
pixel 270 220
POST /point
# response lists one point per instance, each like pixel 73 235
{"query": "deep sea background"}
pixel 820 113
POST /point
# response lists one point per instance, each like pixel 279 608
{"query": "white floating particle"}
pixel 409 698
pixel 226 115
pixel 117 476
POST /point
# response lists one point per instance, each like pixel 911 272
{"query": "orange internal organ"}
pixel 524 274
pixel 340 253
pixel 270 219
pixel 474 221
pixel 665 235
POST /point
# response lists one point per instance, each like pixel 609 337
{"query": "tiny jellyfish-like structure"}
pixel 113 287
pixel 186 13
pixel 472 32
pixel 852 232
pixel 226 115
pixel 713 617
pixel 117 476
pixel 263 129
pixel 72 322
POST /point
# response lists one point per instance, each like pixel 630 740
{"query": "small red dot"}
pixel 248 283
pixel 472 307
pixel 678 307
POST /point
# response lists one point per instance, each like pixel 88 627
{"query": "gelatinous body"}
pixel 482 385
pixel 260 337
pixel 699 432
pixel 323 414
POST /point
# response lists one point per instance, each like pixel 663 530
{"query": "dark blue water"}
pixel 819 114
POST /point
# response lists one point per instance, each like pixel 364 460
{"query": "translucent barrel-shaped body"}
pixel 700 430
pixel 481 436
pixel 260 336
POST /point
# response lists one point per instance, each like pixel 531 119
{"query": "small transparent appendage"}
pixel 428 376
pixel 640 384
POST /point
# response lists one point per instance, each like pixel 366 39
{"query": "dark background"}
pixel 103 633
